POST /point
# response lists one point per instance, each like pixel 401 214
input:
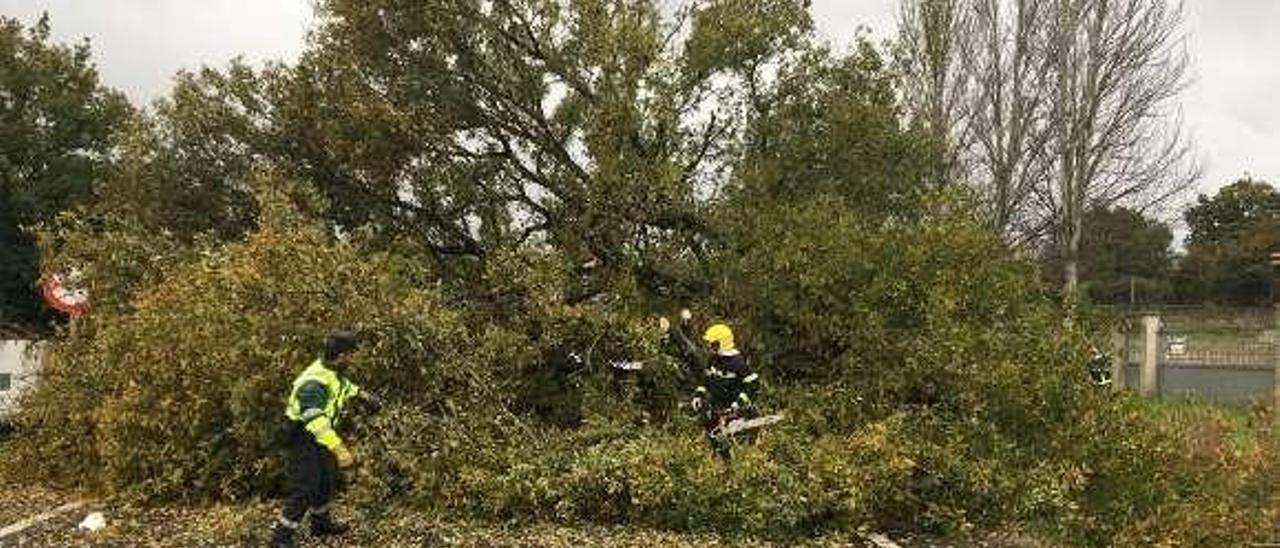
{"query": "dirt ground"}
pixel 248 524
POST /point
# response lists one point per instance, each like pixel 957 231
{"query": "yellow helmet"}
pixel 721 335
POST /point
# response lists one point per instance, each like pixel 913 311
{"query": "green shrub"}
pixel 822 293
pixel 930 386
pixel 183 395
pixel 787 485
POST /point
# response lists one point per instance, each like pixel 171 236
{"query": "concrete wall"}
pixel 1237 386
pixel 20 360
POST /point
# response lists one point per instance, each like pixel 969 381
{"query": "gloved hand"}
pixel 696 404
pixel 685 314
pixel 344 456
pixel 664 324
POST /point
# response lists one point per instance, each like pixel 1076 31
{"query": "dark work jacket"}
pixel 728 380
pixel 722 378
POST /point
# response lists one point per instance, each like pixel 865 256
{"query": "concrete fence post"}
pixel 1150 360
pixel 1119 358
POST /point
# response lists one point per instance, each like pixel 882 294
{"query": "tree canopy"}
pixel 1232 236
pixel 59 129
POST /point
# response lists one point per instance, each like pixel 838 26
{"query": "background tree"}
pixel 1116 67
pixel 58 131
pixel 1231 212
pixel 973 72
pixel 1062 106
pixel 935 37
pixel 1124 257
pixel 1232 235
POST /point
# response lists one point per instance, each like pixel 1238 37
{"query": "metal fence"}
pixel 1227 355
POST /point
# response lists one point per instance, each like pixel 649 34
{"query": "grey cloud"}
pixel 140 44
pixel 1233 106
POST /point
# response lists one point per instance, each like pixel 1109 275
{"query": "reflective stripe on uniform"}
pixel 324 434
pixel 721 374
pixel 323 431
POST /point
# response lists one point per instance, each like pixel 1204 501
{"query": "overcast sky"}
pixel 1232 108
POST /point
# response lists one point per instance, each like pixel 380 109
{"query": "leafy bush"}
pixel 614 473
pixel 1190 484
pixel 183 395
pixel 929 384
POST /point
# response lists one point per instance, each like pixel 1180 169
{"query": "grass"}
pixel 1241 428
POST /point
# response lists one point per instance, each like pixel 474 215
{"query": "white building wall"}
pixel 19 364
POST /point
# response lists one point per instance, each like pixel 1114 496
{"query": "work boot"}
pixel 323 525
pixel 282 536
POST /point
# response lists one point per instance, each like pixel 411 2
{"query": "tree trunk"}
pixel 1071 264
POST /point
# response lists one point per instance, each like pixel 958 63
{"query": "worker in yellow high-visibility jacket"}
pixel 316 452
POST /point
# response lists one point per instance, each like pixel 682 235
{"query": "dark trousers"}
pixel 313 474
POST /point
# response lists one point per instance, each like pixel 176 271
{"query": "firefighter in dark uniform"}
pixel 728 386
pixel 316 451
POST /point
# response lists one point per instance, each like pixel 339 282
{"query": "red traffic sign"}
pixel 64 294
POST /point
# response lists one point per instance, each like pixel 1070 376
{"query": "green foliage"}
pixel 741 35
pixel 930 316
pixel 181 183
pixel 1116 474
pixel 1232 211
pixel 58 127
pixel 182 394
pixel 188 171
pixel 835 295
pixel 614 474
pixel 1232 237
pixel 830 126
pixel 116 254
pixel 1192 486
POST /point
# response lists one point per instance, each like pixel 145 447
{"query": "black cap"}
pixel 339 343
